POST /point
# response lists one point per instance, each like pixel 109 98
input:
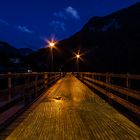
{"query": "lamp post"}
pixel 78 57
pixel 51 45
pixel 77 61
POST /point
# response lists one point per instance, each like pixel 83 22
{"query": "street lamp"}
pixel 78 57
pixel 51 45
pixel 77 61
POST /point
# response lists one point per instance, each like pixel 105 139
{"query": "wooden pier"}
pixel 69 110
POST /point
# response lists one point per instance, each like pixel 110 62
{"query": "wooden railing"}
pixel 18 90
pixel 124 89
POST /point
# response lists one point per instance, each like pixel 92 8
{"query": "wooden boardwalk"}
pixel 71 111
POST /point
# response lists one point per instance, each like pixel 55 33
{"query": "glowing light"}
pixel 77 56
pixel 51 44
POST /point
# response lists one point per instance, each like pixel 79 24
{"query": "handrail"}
pixel 20 89
pixel 125 91
pixel 121 101
pixel 107 84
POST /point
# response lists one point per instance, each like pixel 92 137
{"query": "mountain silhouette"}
pixel 108 44
pixel 13 59
pixel 111 43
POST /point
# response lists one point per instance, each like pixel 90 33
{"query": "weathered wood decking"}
pixel 71 111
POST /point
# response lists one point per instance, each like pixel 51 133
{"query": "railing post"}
pixel 83 77
pixel 36 85
pixel 46 80
pixel 55 76
pixel 108 78
pixel 99 77
pixel 62 74
pixel 92 76
pixel 108 81
pixel 80 76
pixel 9 86
pixel 127 83
pixel 27 94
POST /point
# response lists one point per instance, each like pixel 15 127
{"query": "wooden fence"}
pixel 18 90
pixel 123 89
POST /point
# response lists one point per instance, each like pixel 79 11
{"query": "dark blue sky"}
pixel 59 17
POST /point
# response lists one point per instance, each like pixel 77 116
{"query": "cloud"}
pixel 24 29
pixel 57 25
pixel 4 22
pixel 73 12
pixel 60 15
pixel 67 12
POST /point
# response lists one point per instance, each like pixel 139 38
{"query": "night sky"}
pixel 61 18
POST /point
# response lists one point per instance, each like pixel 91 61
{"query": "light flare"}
pixel 51 43
pixel 78 55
